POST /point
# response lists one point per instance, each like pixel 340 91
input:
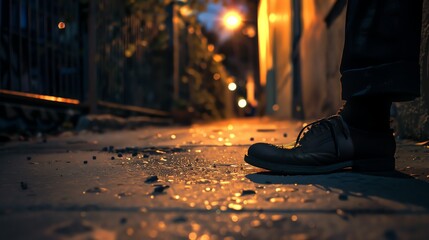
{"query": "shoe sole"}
pixel 364 165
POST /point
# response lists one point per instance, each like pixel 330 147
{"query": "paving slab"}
pixel 192 183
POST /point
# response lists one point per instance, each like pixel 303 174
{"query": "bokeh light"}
pixel 242 103
pixel 61 25
pixel 232 86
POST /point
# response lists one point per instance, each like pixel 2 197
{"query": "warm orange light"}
pixel 39 96
pixel 61 25
pixel 217 57
pixel 216 76
pixel 210 47
pixel 250 32
pixel 232 20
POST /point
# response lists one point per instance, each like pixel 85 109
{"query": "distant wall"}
pixel 412 118
pixel 320 52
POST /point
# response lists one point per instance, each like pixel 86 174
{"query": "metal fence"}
pixel 132 56
pixel 40 48
pixel 89 53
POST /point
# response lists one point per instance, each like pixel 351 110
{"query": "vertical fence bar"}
pixel 92 67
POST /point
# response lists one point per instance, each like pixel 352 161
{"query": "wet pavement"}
pixel 192 183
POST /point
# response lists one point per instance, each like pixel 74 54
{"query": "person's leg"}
pixel 380 61
pixel 379 65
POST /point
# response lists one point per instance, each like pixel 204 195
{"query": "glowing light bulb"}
pixel 232 20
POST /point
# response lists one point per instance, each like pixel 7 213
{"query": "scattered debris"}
pixel 159 189
pixel 247 192
pixel 96 190
pixel 24 186
pixel 151 179
pixel 123 194
pixel 343 197
pixel 179 219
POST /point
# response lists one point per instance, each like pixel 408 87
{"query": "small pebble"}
pixel 123 220
pixel 284 134
pixel 247 192
pixel 134 154
pixel 119 154
pixel 343 197
pixel 179 219
pixel 96 190
pixel 151 179
pixel 145 155
pixel 94 157
pixel 252 139
pixel 28 158
pixel 113 158
pixel 24 186
pixel 159 189
pixel 85 162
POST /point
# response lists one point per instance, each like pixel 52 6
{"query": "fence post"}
pixel 92 51
pixel 176 51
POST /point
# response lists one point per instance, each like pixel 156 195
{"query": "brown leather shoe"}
pixel 326 146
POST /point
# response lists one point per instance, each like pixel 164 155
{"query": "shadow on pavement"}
pixel 394 186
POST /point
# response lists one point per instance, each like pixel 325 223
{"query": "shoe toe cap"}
pixel 260 149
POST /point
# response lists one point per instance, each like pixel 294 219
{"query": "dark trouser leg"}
pixel 380 61
pixel 381 50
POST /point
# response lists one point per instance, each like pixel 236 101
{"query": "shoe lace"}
pixel 320 126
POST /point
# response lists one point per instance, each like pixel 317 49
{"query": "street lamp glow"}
pixel 232 86
pixel 232 20
pixel 242 103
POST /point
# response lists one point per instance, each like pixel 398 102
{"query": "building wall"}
pixel 320 51
pixel 275 46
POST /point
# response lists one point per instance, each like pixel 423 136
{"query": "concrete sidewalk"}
pixel 192 183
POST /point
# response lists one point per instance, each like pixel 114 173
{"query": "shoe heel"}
pixel 374 165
